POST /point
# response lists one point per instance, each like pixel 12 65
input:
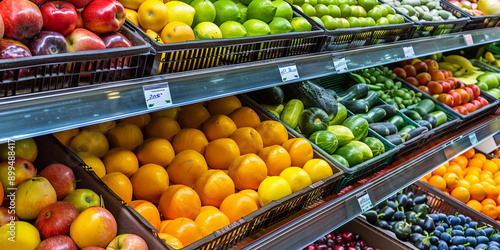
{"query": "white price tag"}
pixel 340 64
pixel 408 50
pixel 289 72
pixel 468 39
pixel 473 139
pixel 157 95
pixel 364 201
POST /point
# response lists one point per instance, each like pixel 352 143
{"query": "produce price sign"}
pixel 364 201
pixel 289 72
pixel 408 50
pixel 340 64
pixel 468 39
pixel 473 139
pixel 157 95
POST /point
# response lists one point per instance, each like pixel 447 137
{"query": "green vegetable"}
pixel 407 129
pixel 390 110
pixel 276 108
pixel 376 114
pixel 365 149
pixel 312 120
pixel 340 117
pixel 397 120
pixel 325 140
pixel 358 126
pixel 490 78
pixel 340 159
pixel 376 146
pixel 422 209
pixel 385 128
pixel 363 105
pixel 395 139
pixel 402 230
pixel 291 113
pixel 313 95
pixel 354 92
pixel 412 114
pixel 352 154
pixel 425 124
pixel 439 116
pixel 269 96
pixel 344 134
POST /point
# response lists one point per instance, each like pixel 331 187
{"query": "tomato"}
pixel 399 72
pixel 471 93
pixel 435 87
pixel 424 89
pixel 446 99
pixel 470 107
pixel 461 109
pixel 477 103
pixel 476 90
pixel 413 81
pixel 447 87
pixel 464 94
pixel 456 98
pixel 483 101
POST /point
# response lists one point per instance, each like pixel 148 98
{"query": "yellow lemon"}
pixel 180 11
pixel 94 162
pixel 153 14
pixel 26 236
pixel 273 188
pixel 207 30
pixel 131 4
pixel 176 32
pixel 296 177
pixel 132 16
pixel 318 169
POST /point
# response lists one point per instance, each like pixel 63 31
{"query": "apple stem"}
pixel 48 214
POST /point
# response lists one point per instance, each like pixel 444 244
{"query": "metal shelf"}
pixel 42 113
pixel 305 229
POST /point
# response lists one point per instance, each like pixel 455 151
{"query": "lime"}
pixel 232 29
pixel 334 2
pixel 226 10
pixel 180 11
pixel 371 21
pixel 362 11
pixel 273 188
pixel 299 2
pixel 205 11
pixel 330 22
pixel 289 1
pixel 283 9
pixel 345 10
pixel 256 27
pixel 243 12
pixel 392 19
pixel 308 9
pixel 340 2
pixel 383 21
pixel 207 30
pixel 382 9
pixel 321 10
pixel 352 2
pixel 354 22
pixel 354 11
pixel 312 2
pixel 375 13
pixel 400 18
pixel 298 7
pixel 325 2
pixel 364 21
pixel 280 25
pixel 318 20
pixel 368 4
pixel 388 8
pixel 296 177
pixel 343 23
pixel 300 24
pixel 334 10
pixel 245 2
pixel 263 10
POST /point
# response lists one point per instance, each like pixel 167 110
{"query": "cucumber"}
pixel 363 105
pixel 397 120
pixel 380 129
pixel 375 115
pixel 425 123
pixel 354 92
pixel 291 113
pixel 431 119
pixel 417 131
pixel 389 126
pixel 395 139
pixel 419 110
pixel 441 117
pixel 427 104
pixel 407 129
pixel 414 115
pixel 390 110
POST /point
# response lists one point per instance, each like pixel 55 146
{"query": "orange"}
pixel 170 112
pixel 193 116
pixel 480 156
pixel 428 176
pixel 176 32
pixel 461 161
pixel 446 192
pixel 476 205
pixel 205 208
pixel 163 224
pixel 496 161
pixel 469 153
pixel 219 153
pixel 497 180
pixel 276 158
pixel 248 140
pixel 498 200
pixel 475 162
pixel 210 221
pixel 179 201
pixel 102 127
pixel 218 126
pixel 272 133
pixel 441 170
pixel 472 179
pixel 90 141
pixel 455 168
pixel 95 226
pixel 461 194
pixel 237 205
pixel 213 187
pixel 488 201
pixel 497 152
pixel 186 167
pixel 490 211
pixel 184 229
pixel 149 182
pixel 224 105
pixel 490 166
pixel 451 180
pixel 66 136
pixel 252 194
pixel 139 120
pixel 245 117
pixel 125 135
pixel 318 169
pixel 190 138
pixel 155 150
pixel 473 169
pixel 147 210
pixel 300 151
pixel 152 14
pixel 486 175
pixel 94 162
pixel 171 240
pixel 247 171
pixel 120 184
pixel 463 183
pixel 162 127
pixel 132 16
pixel 477 192
pixel 438 182
pixel 491 190
pixel 121 160
pixel 423 179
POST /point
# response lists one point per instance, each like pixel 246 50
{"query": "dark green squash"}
pixel 313 95
pixel 354 92
pixel 312 120
pixel 325 140
pixel 361 106
pixel 358 126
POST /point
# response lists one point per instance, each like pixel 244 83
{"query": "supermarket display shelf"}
pixel 46 112
pixel 306 228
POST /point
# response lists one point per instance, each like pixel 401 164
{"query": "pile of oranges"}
pixel 192 170
pixel 472 179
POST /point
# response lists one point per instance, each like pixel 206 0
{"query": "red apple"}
pixel 38 2
pixel 5 217
pixel 55 219
pixel 115 40
pixel 483 101
pixel 127 242
pixel 447 87
pixel 457 99
pixel 48 43
pixel 79 3
pixel 446 99
pixel 464 94
pixel 470 107
pixel 471 93
pixel 461 109
pixel 83 39
pixel 399 72
pixel 431 64
pixel 93 248
pixel 23 170
pixel 79 24
pixel 2 27
pixel 61 178
pixel 437 75
pixel 58 242
pixel 410 70
pixel 59 16
pixel 14 49
pixel 476 90
pixel 413 81
pixel 406 62
pixel 477 103
pixel 104 16
pixel 420 67
pixel 22 19
pixel 423 78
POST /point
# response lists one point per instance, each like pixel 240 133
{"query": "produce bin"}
pixel 68 70
pixel 351 174
pixel 201 54
pixel 371 236
pixel 433 28
pixel 484 66
pixel 476 22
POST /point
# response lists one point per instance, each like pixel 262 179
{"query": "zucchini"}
pixel 425 123
pixel 354 92
pixel 414 115
pixel 426 104
pixel 276 108
pixel 419 110
pixel 269 96
pixel 313 95
pixel 312 120
pixel 431 119
pixel 398 121
pixel 366 117
pixel 407 129
pixel 417 131
pixel 376 114
pixel 395 139
pixel 390 110
pixel 441 117
pixel 391 128
pixel 361 106
pixel 291 113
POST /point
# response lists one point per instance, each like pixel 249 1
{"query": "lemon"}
pixel 283 9
pixel 94 162
pixel 226 10
pixel 205 11
pixel 300 24
pixel 132 16
pixel 296 177
pixel 207 30
pixel 232 29
pixel 243 12
pixel 153 15
pixel 177 31
pixel 180 11
pixel 263 10
pixel 317 169
pixel 273 188
pixel 256 27
pixel 26 236
pixel 155 36
pixel 131 4
pixel 280 25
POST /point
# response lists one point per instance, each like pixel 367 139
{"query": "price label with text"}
pixel 408 50
pixel 289 72
pixel 157 95
pixel 340 64
pixel 473 139
pixel 364 201
pixel 468 39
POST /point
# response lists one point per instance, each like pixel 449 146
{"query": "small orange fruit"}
pixel 90 141
pixel 488 201
pixel 205 208
pixel 184 229
pixel 490 211
pixel 163 224
pixel 455 168
pixel 480 156
pixel 213 187
pixel 252 194
pixel 497 180
pixel 210 221
pixel 121 160
pixel 497 152
pixel 179 201
pixel 476 205
pixel 237 205
pixel 469 153
pixel 170 112
pixel 176 32
pixel 464 183
pixel 491 190
pixel 147 210
pixel 193 115
pixel 477 192
pixel 140 120
pixel 125 135
pixel 190 138
pixel 461 194
pixel 162 127
pixel 472 179
pixel 186 167
pixel 461 160
pixel 496 161
pixel 276 158
pixel 155 150
pixel 221 152
pixel 272 133
pixel 224 105
pixel 218 126
pixel 171 240
pixel 428 176
pixel 66 136
pixel 423 179
pixel 273 188
pixel 120 184
pixel 438 182
pixel 300 151
pixel 247 171
pixel 94 162
pixel 245 117
pixel 441 170
pixel 248 140
pixel 149 182
pixel 451 180
pixel 490 166
pixel 102 127
pixel 476 162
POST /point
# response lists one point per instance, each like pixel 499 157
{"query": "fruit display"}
pixel 49 210
pixel 422 10
pixel 471 7
pixel 181 21
pixel 338 14
pixel 340 241
pixel 472 179
pixel 193 170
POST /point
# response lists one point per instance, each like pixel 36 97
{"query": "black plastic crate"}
pixel 50 72
pixel 476 22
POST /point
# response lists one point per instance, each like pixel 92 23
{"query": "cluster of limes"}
pixel 472 179
pixel 199 167
pixel 180 21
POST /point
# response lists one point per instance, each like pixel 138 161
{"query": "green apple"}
pixel 384 11
pixel 383 21
pixel 392 19
pixel 364 22
pixel 370 21
pixel 329 22
pixel 308 9
pixel 334 2
pixel 325 2
pixel 343 23
pixel 299 2
pixel 354 11
pixel 321 10
pixel 354 22
pixel 368 4
pixel 298 7
pixel 362 11
pixel 389 8
pixel 352 2
pixel 318 20
pixel 313 2
pixel 83 198
pixel 345 10
pixel 400 18
pixel 375 13
pixel 300 24
pixel 340 2
pixel 334 10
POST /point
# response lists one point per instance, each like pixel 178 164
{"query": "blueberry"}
pixel 493 243
pixel 467 219
pixel 470 232
pixel 442 245
pixel 466 225
pixel 434 217
pixel 493 248
pixel 458 227
pixel 469 248
pixel 462 219
pixel 489 231
pixel 481 246
pixel 442 216
pixel 432 247
pixel 454 221
pixel 458 240
pixel 434 240
pixel 457 233
pixel 445 237
pixel 471 240
pixel 473 224
pixel 482 240
pixel 445 225
pixel 441 228
pixel 480 232
pixel 495 238
pixel 437 233
pixel 453 247
pixel 460 247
